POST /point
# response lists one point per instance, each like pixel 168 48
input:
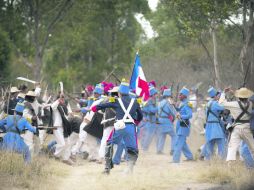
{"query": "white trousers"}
pixel 62 146
pixel 240 133
pixel 91 146
pixel 69 143
pixel 81 139
pixel 42 134
pixel 106 133
pixel 29 140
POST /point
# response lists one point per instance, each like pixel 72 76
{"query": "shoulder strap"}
pixel 209 110
pixel 162 109
pixel 126 112
pixel 244 111
pixel 15 124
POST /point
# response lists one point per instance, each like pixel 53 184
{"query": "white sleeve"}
pixel 26 113
pixel 223 101
pixel 69 108
pixel 55 104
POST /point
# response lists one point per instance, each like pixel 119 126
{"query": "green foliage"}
pixel 196 16
pixel 177 55
pixel 95 38
pixel 5 52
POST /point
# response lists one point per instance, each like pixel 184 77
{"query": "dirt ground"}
pixel 151 172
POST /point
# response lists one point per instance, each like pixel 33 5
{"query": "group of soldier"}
pixel 107 122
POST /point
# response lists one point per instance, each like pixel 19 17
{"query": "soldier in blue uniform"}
pixel 214 130
pixel 150 110
pixel 183 127
pixel 128 114
pixel 14 125
pixel 166 118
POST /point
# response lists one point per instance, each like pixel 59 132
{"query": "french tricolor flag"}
pixel 138 80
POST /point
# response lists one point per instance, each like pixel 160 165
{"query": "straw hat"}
pixel 21 95
pixel 31 93
pixel 114 89
pixel 14 89
pixel 243 93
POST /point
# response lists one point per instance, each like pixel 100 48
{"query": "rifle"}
pixel 112 73
pixel 172 87
pixel 177 91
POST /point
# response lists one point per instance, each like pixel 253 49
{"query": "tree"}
pixel 96 37
pixel 247 52
pixel 5 52
pixel 199 16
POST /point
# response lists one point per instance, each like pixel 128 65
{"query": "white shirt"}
pixel 27 113
pixel 89 115
pixel 235 109
pixel 57 119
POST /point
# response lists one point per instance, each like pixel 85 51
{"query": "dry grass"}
pixel 15 174
pixel 151 172
pixel 237 176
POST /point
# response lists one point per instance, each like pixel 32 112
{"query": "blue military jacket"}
pixel 7 124
pixel 12 139
pixel 186 114
pixel 150 110
pixel 214 129
pixel 135 111
pixel 165 110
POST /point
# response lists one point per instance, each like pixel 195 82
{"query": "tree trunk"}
pixel 37 67
pixel 38 55
pixel 247 54
pixel 215 56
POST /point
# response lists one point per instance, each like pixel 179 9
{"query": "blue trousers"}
pixel 161 137
pixel 203 152
pixel 149 133
pixel 24 151
pixel 129 137
pixel 245 153
pixel 181 146
pixel 210 148
pixel 119 151
pixel 27 155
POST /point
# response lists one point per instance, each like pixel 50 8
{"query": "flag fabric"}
pixel 138 82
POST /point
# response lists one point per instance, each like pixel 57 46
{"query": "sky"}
pixel 150 33
pixel 153 4
pixel 145 24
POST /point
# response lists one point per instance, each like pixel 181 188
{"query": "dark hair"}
pixel 23 87
pixel 113 94
pixel 19 113
pixel 30 98
pixel 243 99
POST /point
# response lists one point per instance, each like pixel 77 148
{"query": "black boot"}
pixel 108 158
pixel 132 158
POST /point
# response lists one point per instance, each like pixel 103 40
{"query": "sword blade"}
pixel 26 80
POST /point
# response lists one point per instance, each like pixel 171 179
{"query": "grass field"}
pixel 151 172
